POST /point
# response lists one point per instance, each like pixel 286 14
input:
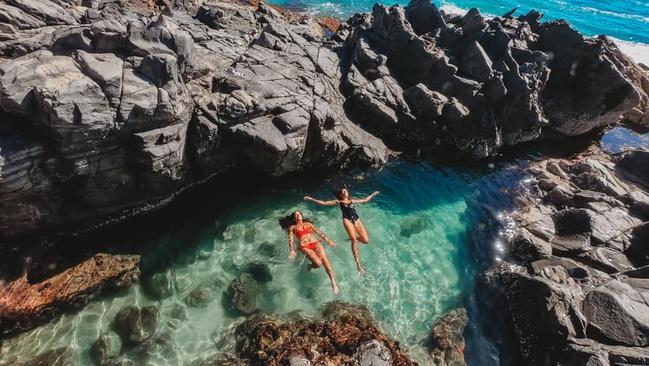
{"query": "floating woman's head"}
pixel 294 218
pixel 342 194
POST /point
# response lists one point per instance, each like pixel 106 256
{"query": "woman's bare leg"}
pixel 351 231
pixel 362 233
pixel 327 266
pixel 312 256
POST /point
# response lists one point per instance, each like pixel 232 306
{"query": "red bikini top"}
pixel 304 231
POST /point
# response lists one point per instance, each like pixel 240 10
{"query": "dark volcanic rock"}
pixel 135 325
pixel 617 314
pixel 126 110
pixel 587 302
pixel 635 165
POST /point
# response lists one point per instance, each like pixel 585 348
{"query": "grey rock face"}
pixel 126 110
pixel 617 313
pixel 586 303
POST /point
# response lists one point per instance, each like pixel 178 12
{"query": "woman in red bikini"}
pixel 306 232
pixel 351 221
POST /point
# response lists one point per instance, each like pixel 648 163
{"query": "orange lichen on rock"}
pixel 23 303
pixel 330 23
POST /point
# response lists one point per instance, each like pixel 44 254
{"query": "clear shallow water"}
pixel 431 231
pixel 620 139
pixel 626 20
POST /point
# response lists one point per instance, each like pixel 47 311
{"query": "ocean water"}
pixel 431 231
pixel 626 20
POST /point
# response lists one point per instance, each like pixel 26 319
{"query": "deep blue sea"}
pixel 626 20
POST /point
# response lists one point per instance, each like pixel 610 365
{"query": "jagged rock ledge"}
pixel 108 110
pixel 24 305
pixel 577 285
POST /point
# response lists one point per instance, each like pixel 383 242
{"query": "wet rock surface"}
pixel 342 339
pixel 135 325
pixel 23 304
pixel 109 111
pixel 576 289
pixel 447 338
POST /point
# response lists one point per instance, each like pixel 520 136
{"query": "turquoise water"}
pixel 627 20
pixel 431 231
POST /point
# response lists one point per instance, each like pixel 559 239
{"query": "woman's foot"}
pixel 360 268
pixel 335 288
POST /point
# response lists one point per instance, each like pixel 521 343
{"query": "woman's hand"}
pixel 375 193
pixel 331 243
pixel 292 255
pixel 308 198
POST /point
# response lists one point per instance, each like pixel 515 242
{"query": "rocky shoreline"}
pixel 576 288
pixel 110 109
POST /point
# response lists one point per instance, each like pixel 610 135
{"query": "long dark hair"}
pixel 289 220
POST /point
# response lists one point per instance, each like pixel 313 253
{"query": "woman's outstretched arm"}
pixel 323 236
pixel 291 244
pixel 366 199
pixel 321 203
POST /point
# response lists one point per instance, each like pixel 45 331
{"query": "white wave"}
pixel 450 8
pixel 616 15
pixel 639 52
pixel 453 9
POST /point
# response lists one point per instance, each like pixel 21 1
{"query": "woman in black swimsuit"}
pixel 351 221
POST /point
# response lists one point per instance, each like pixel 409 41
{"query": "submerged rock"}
pixel 108 346
pixel 56 357
pixel 413 225
pixel 447 346
pixel 241 295
pixel 160 285
pixel 260 272
pixel 135 325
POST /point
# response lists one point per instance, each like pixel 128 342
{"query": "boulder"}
pixel 638 250
pixel 545 313
pixel 573 231
pixel 424 16
pixel 634 166
pixel 528 247
pixel 135 325
pixel 617 314
pixel 475 63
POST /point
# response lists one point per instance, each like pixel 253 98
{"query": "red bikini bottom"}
pixel 311 246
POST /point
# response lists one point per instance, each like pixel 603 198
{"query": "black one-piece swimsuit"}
pixel 349 212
